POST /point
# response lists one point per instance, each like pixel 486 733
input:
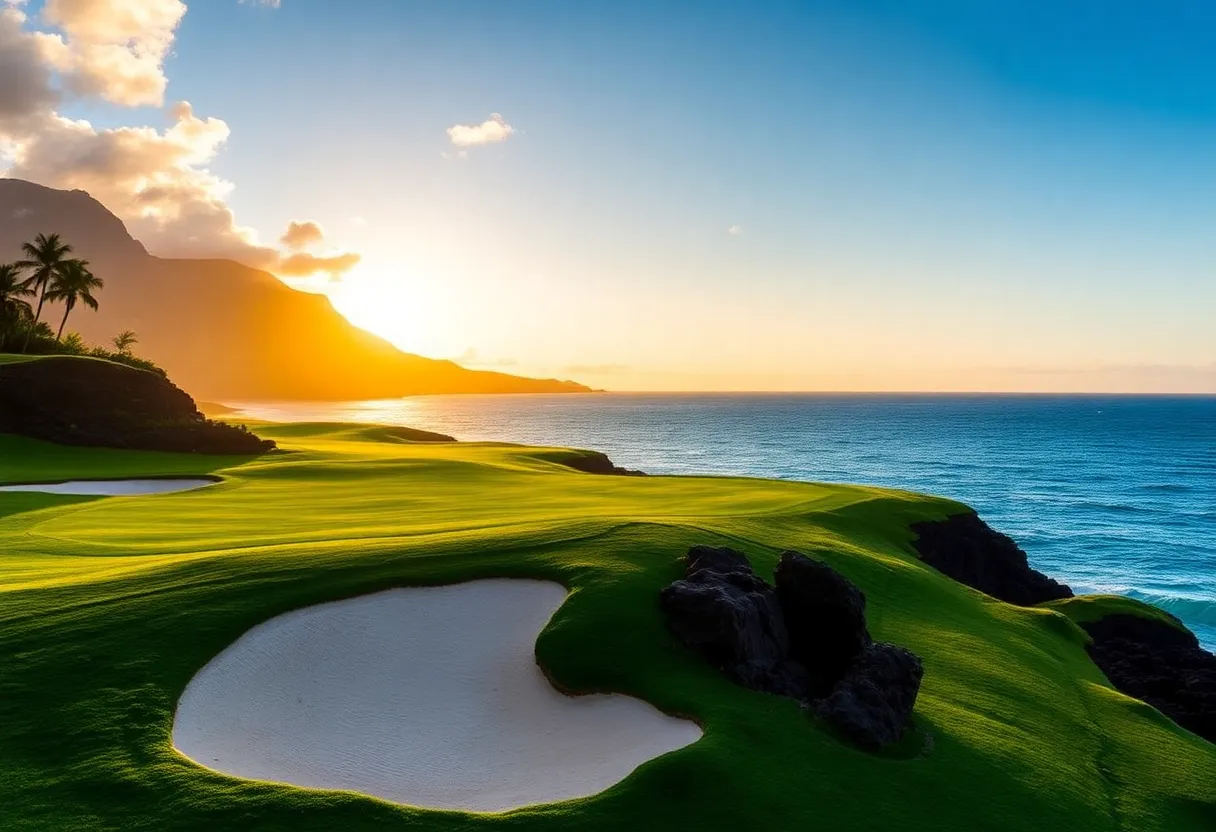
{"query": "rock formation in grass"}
pixel 1160 664
pixel 1151 660
pixel 594 462
pixel 84 401
pixel 805 638
pixel 967 549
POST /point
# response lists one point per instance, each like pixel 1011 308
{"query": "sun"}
pixel 401 310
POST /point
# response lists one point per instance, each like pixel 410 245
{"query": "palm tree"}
pixel 73 283
pixel 13 291
pixel 46 256
pixel 124 340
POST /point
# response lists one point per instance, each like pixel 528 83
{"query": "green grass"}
pixel 1094 607
pixel 110 605
pixel 15 358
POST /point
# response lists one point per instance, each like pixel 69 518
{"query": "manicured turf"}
pixel 110 605
pixel 1086 608
pixel 15 358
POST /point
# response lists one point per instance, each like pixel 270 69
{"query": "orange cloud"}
pixel 301 234
pixel 304 264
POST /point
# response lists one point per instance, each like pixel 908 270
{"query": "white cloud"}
pixel 494 129
pixel 735 230
pixel 156 180
pixel 113 49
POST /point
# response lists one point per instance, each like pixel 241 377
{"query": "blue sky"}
pixel 925 195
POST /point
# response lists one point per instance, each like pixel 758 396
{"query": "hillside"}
pixel 89 401
pixel 226 331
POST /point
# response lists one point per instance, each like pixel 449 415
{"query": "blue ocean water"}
pixel 1108 493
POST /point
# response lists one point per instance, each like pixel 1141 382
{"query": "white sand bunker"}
pixel 113 488
pixel 427 696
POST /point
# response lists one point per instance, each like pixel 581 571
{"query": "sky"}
pixel 817 195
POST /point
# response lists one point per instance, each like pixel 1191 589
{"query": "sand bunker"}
pixel 425 696
pixel 112 488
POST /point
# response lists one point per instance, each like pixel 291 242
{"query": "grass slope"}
pixel 110 605
pixel 16 358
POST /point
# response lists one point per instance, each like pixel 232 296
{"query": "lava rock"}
pixel 77 401
pixel 594 462
pixel 971 552
pixel 733 619
pixel 805 638
pixel 716 559
pixel 1160 664
pixel 872 705
pixel 825 616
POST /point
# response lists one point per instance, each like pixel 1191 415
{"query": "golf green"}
pixel 110 605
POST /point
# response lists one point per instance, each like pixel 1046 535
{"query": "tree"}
pixel 46 256
pixel 124 340
pixel 13 291
pixel 72 284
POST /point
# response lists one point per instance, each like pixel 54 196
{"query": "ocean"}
pixel 1107 493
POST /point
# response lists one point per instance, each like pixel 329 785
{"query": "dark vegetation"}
pixel 1160 664
pixel 78 401
pixel 805 638
pixel 121 401
pixel 967 549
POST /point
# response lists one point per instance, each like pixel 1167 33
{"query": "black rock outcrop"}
pixel 80 401
pixel 1160 664
pixel 594 462
pixel 871 705
pixel 805 638
pixel 729 615
pixel 825 615
pixel 967 549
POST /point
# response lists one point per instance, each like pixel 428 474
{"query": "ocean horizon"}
pixel 1109 493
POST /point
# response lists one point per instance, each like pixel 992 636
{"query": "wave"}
pixel 1192 611
pixel 1167 488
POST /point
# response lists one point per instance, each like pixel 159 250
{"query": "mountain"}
pixel 226 331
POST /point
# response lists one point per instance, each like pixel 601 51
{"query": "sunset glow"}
pixel 847 203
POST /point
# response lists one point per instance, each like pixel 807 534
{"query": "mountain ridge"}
pixel 225 330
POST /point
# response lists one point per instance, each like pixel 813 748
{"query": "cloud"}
pixel 302 234
pixel 596 369
pixel 735 230
pixel 494 129
pixel 22 213
pixel 273 4
pixel 27 88
pixel 156 180
pixel 113 49
pixel 303 264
